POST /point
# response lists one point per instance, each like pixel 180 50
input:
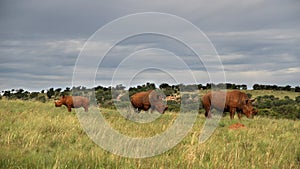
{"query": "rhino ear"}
pixel 247 101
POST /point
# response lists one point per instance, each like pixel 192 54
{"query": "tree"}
pixel 297 89
pixel 256 87
pixel 175 88
pixel 19 94
pixel 167 89
pixel 200 87
pixel 50 93
pixel 243 87
pixel 229 86
pixel 57 92
pixel 275 87
pixel 33 95
pixel 98 88
pixel 287 88
pixel 67 91
pixel 150 86
pixel 164 86
pixel 7 94
pixel 208 86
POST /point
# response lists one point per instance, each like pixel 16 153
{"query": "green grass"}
pixel 39 135
pixel 279 94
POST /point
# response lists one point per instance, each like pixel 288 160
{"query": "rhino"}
pixel 235 101
pixel 73 102
pixel 148 99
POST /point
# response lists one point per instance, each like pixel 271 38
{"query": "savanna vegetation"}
pixel 272 100
pixel 36 134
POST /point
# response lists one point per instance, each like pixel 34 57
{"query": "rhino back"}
pixel 79 101
pixel 236 99
pixel 138 100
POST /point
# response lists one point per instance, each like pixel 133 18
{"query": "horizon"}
pixel 135 86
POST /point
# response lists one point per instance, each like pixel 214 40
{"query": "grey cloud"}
pixel 259 50
pixel 35 62
pixel 40 40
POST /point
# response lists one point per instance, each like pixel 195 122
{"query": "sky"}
pixel 41 43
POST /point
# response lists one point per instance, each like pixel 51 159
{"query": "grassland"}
pixel 38 135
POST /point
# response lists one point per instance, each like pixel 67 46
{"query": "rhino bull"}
pixel 233 101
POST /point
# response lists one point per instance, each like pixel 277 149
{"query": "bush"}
pixel 265 112
pixel 33 95
pixel 297 99
pixel 249 95
pixel 271 106
pixel 42 99
pixel 173 106
pixel 286 111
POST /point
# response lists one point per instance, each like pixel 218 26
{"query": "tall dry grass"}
pixel 38 135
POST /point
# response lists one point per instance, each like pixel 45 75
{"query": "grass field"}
pixel 38 135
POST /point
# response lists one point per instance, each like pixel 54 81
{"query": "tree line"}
pixel 275 87
pixel 268 105
pixel 104 93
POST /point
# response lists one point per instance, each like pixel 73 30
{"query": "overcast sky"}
pixel 258 41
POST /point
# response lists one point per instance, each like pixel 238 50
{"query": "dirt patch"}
pixel 237 126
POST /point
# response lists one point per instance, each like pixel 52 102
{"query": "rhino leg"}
pixel 232 112
pixel 240 115
pixel 208 114
pixel 207 111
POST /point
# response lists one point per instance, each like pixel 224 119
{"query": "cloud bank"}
pixel 258 41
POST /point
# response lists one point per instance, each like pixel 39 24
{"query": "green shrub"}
pixel 173 106
pixel 42 99
pixel 297 99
